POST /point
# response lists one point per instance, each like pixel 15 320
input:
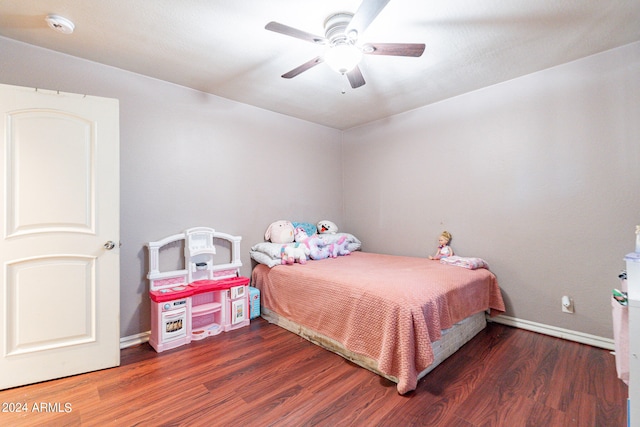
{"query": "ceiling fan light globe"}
pixel 343 58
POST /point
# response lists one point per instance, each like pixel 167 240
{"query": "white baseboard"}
pixel 606 343
pixel 136 339
pixel 567 334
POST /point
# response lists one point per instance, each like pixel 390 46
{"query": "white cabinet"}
pixel 633 285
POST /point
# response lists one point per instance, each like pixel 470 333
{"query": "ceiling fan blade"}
pixel 304 67
pixel 364 16
pixel 355 78
pixel 394 49
pixel 294 32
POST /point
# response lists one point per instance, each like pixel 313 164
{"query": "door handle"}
pixel 109 245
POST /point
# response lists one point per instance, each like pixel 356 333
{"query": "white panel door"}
pixel 59 290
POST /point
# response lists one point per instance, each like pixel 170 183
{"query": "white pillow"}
pixel 267 253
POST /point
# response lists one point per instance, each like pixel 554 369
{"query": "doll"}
pixel 444 250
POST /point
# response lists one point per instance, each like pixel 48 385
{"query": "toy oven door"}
pixel 174 324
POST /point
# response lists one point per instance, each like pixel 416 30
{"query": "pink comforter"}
pixel 389 308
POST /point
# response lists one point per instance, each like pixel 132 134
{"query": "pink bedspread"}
pixel 389 308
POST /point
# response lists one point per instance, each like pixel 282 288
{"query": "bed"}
pixel 394 315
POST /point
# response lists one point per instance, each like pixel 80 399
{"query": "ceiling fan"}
pixel 343 50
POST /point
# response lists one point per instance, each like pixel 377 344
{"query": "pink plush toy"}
pixel 280 232
pixel 339 248
pixel 318 249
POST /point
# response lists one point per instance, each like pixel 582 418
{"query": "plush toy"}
pixel 308 227
pixel 339 248
pixel 326 226
pixel 280 232
pixel 318 249
pixel 292 253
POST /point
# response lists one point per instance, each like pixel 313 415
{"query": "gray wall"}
pixel 191 159
pixel 539 176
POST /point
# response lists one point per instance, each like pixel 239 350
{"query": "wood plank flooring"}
pixel 262 375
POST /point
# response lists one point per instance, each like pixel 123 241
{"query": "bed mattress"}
pixel 386 309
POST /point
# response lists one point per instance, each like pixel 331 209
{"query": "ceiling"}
pixel 221 46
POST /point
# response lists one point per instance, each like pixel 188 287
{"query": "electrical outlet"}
pixel 567 304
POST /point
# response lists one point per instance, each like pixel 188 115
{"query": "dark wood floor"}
pixel 262 375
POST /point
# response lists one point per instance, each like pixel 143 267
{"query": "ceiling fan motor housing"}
pixel 335 28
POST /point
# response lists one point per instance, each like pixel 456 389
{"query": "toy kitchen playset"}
pixel 201 300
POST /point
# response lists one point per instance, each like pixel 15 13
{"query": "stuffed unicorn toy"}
pixel 339 248
pixel 318 249
pixel 292 253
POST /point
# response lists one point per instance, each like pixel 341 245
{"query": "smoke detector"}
pixel 60 24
